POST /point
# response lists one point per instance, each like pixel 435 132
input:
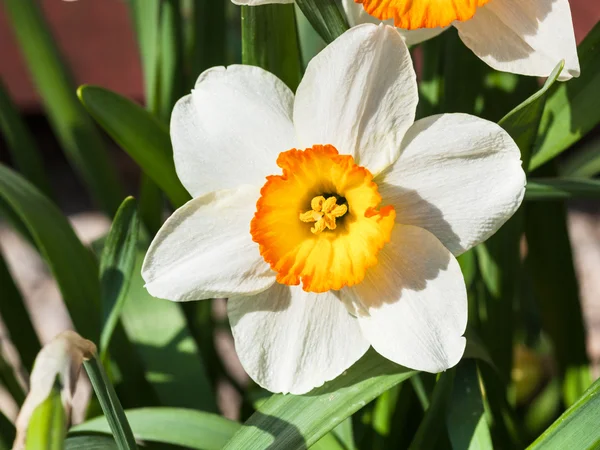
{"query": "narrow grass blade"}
pixel 296 422
pixel 586 163
pixel 91 442
pixel 344 433
pixel 572 107
pixel 208 37
pixel 48 424
pixel 175 426
pixel 577 428
pixel 23 149
pixel 116 268
pixel 540 189
pixel 174 366
pixel 110 405
pixel 16 318
pixel 465 417
pixel 60 247
pixel 325 17
pixel 550 263
pixel 269 40
pixel 171 57
pixel 151 149
pixel 429 431
pixel 76 132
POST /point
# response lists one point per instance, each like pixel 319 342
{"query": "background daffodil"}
pixel 527 37
pixel 351 242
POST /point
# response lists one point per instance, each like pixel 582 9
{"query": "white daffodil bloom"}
pixel 351 242
pixel 527 37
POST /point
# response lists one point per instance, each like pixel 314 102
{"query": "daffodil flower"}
pixel 527 37
pixel 351 241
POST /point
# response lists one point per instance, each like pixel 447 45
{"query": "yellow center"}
pixel 414 14
pixel 318 223
pixel 323 212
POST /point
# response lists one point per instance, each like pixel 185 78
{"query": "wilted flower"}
pixel 61 358
pixel 365 212
pixel 525 37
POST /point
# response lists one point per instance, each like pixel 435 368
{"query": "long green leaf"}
pixel 174 366
pixel 176 426
pixel 76 132
pixel 296 422
pixel 465 416
pixel 20 143
pixel 586 163
pixel 16 318
pixel 208 37
pixel 561 188
pixel 116 268
pixel 577 428
pixel 572 108
pixel 48 424
pixel 151 149
pixel 269 40
pixel 325 17
pixel 111 405
pixel 71 263
pixel 90 442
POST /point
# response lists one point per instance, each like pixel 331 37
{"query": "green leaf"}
pixel 151 149
pixel 270 41
pixel 561 188
pixel 24 152
pixel 577 428
pixel 76 132
pixel 572 108
pixel 116 268
pixel 208 37
pixel 171 57
pixel 176 426
pixel 60 247
pixel 428 433
pixel 585 163
pixel 523 122
pixel 174 366
pixel 48 424
pixel 465 416
pixel 550 263
pixel 325 17
pixel 111 405
pixel 90 442
pixel 16 318
pixel 296 422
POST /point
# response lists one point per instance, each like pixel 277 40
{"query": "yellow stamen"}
pixel 323 213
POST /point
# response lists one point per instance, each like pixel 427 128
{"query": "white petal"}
pixel 359 95
pixel 527 37
pixel 357 15
pixel 414 302
pixel 289 340
pixel 260 2
pixel 458 176
pixel 231 129
pixel 205 250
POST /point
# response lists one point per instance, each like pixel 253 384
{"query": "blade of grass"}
pixel 325 17
pixel 116 268
pixel 23 149
pixel 76 132
pixel 151 150
pixel 269 40
pixel 208 40
pixel 577 427
pixel 296 422
pixel 16 318
pixel 60 247
pixel 48 424
pixel 175 426
pixel 110 405
pixel 563 188
pixel 584 164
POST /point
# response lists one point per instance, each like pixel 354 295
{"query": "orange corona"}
pixel 414 14
pixel 319 223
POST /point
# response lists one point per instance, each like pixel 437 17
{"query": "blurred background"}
pixel 97 40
